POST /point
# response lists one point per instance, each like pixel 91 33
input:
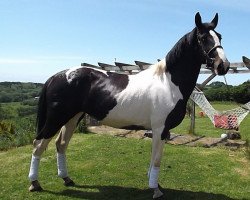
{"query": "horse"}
pixel 155 99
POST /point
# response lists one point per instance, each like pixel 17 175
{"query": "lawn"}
pixel 107 168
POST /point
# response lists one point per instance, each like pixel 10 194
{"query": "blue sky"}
pixel 41 37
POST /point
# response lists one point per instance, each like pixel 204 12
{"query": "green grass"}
pixel 106 168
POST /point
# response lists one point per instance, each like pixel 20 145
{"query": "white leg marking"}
pixel 34 165
pixel 153 177
pixel 39 147
pixel 61 165
pixel 62 142
pixel 157 150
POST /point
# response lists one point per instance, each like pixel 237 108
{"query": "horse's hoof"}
pixel 157 193
pixel 68 182
pixel 35 186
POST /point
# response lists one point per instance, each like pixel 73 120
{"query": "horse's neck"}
pixel 183 63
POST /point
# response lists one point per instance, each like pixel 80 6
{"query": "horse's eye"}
pixel 204 39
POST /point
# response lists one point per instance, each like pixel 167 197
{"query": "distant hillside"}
pixel 18 91
pixel 216 91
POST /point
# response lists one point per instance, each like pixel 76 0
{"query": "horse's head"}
pixel 209 42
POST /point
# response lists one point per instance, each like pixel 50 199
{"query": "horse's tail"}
pixel 41 112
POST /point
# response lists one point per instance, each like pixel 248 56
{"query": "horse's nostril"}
pixel 220 66
pixel 223 68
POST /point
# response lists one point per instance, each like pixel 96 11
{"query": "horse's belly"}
pixel 122 116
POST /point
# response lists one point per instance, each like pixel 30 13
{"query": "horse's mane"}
pixel 181 48
pixel 160 67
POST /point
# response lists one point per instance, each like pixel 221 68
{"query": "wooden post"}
pixel 192 121
pixel 207 80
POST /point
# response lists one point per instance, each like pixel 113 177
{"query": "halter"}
pixel 209 60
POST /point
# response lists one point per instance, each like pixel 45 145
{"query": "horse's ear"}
pixel 198 21
pixel 214 22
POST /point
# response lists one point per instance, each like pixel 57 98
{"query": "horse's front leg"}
pixel 157 150
pixel 62 142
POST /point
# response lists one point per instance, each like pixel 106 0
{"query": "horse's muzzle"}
pixel 223 68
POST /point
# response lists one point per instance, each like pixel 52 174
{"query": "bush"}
pixel 241 93
pixel 15 136
pixel 18 92
pixel 7 127
pixel 220 92
pixel 4 97
pixel 7 132
pixel 30 102
pixel 26 110
pixel 22 138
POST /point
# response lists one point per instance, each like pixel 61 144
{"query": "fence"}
pixel 125 68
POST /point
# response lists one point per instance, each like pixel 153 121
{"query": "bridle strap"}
pixel 214 48
pixel 209 60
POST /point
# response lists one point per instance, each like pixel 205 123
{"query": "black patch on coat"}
pixel 183 63
pixel 133 127
pixel 101 96
pixel 174 118
pixel 89 91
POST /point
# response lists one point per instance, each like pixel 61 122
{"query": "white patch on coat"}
pixel 220 51
pixel 71 73
pixel 146 101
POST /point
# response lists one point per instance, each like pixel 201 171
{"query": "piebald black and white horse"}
pixel 154 99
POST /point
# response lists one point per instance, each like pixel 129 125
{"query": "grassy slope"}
pixel 105 167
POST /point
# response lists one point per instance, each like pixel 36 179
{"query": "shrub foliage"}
pixel 218 91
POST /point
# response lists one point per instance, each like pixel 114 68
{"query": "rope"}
pixel 229 119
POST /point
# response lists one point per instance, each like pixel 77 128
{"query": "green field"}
pixel 106 167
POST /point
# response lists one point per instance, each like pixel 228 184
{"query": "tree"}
pixel 241 93
pixel 217 84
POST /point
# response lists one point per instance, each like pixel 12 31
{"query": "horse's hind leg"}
pixel 39 147
pixel 62 142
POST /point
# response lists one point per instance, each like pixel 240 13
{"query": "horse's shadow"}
pixel 93 192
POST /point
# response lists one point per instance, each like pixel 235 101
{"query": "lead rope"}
pixel 225 80
pixel 228 90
